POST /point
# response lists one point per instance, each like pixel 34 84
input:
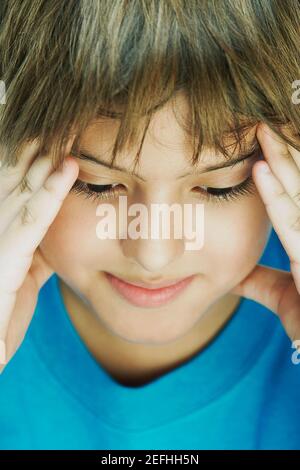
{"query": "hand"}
pixel 26 213
pixel 277 179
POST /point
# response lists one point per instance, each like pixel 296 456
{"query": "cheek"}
pixel 236 237
pixel 71 240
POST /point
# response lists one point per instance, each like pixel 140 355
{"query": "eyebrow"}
pixel 83 155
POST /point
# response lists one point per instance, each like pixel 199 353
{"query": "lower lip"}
pixel 141 297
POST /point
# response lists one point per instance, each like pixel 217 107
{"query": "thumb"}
pixel 276 290
pixel 265 285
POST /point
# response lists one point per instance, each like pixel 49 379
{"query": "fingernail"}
pixel 64 164
pixel 264 167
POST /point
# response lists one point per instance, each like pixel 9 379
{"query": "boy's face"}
pixel 235 231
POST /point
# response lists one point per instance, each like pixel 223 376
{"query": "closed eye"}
pixel 110 191
pixel 227 194
pixel 97 191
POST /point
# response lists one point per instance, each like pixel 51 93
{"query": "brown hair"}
pixel 65 63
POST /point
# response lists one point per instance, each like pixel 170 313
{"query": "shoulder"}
pixel 279 420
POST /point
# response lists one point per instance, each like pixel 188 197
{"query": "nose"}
pixel 158 235
pixel 153 255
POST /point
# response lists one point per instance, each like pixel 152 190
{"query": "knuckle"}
pixel 24 186
pixel 27 216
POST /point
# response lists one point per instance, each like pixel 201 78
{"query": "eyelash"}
pixel 79 187
pixel 232 193
pixel 222 194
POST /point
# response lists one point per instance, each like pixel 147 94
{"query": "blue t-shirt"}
pixel 240 392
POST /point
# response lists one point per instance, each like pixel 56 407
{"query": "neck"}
pixel 135 364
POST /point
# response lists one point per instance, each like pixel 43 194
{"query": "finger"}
pixel 24 307
pixel 283 213
pixel 25 233
pixel 282 160
pixel 10 176
pixel 276 290
pixel 13 326
pixel 293 135
pixel 22 237
pixel 264 285
pixel 265 132
pixel 35 179
pixel 296 155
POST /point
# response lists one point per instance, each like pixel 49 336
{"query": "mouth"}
pixel 142 294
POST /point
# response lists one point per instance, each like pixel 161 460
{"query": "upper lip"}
pixel 152 284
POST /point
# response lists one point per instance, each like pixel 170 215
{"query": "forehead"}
pixel 165 144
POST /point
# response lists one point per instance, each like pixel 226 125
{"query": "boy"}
pixel 139 343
